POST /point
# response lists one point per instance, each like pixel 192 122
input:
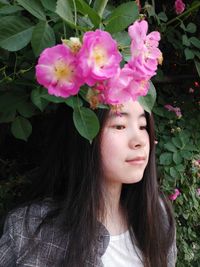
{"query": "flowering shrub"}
pixel 178 151
pixel 29 27
pixel 96 62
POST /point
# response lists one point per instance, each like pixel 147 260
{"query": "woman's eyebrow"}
pixel 124 114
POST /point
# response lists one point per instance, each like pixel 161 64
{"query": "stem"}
pixel 183 14
pixel 75 12
pixel 64 30
pixel 100 6
pixel 15 66
pixel 153 4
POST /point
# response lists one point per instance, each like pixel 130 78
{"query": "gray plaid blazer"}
pixel 51 243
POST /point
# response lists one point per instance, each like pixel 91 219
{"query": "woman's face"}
pixel 125 145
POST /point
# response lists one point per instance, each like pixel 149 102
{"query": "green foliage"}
pixel 178 152
pixel 42 26
pixel 122 17
pixel 149 100
pixel 84 120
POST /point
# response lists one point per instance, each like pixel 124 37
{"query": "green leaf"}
pixel 195 41
pixel 85 9
pixel 197 53
pixel 162 16
pixel 186 154
pixel 5 2
pixel 185 40
pixel 99 6
pixel 197 65
pixel 49 4
pixel 16 33
pixel 148 101
pixel 159 111
pixel 74 102
pixel 34 7
pixel 184 137
pixel 177 157
pixel 166 158
pixel 150 10
pixel 63 9
pixel 43 36
pixel 177 142
pixel 10 9
pixel 52 98
pixel 9 101
pixel 182 25
pixel 122 38
pixel 21 128
pixel 170 147
pixel 7 116
pixel 174 173
pixel 36 98
pixel 191 27
pixel 26 109
pixel 86 122
pixel 180 168
pixel 126 53
pixel 188 54
pixel 122 17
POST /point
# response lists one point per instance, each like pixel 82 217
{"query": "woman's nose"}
pixel 137 140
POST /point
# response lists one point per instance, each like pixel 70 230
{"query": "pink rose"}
pixel 123 86
pixel 98 57
pixel 175 195
pixel 145 54
pixel 176 110
pixel 179 6
pixel 57 71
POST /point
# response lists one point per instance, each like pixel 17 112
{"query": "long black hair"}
pixel 71 175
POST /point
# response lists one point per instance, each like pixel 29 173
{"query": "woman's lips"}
pixel 136 161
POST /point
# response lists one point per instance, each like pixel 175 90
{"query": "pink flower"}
pixel 176 110
pixel 57 71
pixel 179 6
pixel 115 89
pixel 175 195
pixel 198 191
pixel 169 107
pixel 191 90
pixel 99 57
pixel 123 86
pixel 145 54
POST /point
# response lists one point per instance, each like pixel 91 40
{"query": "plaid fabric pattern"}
pixel 51 244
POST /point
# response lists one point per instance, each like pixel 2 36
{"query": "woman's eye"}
pixel 119 127
pixel 143 127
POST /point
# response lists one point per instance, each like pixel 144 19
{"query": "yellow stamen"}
pixel 63 71
pixel 99 55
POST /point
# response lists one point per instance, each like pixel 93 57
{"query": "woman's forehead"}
pixel 128 109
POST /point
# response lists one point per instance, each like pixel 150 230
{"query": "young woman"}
pixel 97 204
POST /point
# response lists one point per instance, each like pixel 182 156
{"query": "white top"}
pixel 121 252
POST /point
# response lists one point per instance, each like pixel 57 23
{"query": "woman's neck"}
pixel 115 218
